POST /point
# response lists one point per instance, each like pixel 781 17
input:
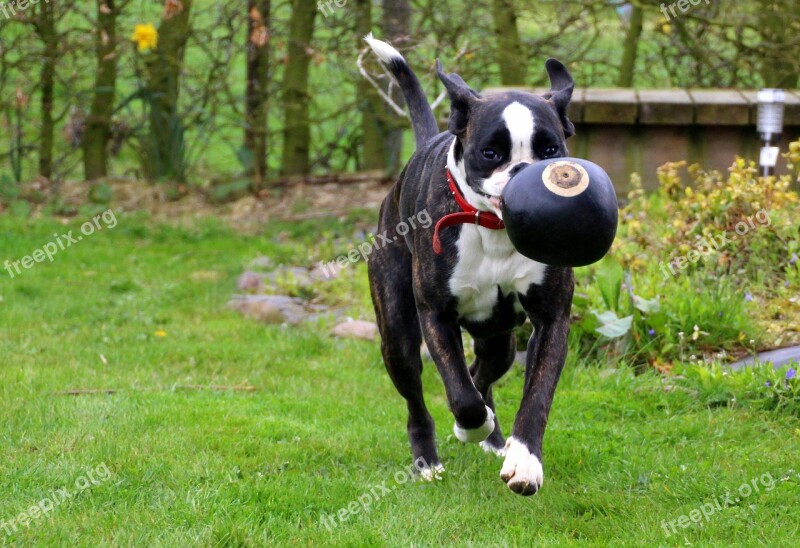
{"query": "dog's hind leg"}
pixel 396 313
pixel 493 358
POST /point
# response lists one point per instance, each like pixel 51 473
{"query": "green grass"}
pixel 325 426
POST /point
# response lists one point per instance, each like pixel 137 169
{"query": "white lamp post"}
pixel 770 125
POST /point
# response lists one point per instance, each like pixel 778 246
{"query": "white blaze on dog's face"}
pixel 499 135
pixel 520 125
pixel 505 135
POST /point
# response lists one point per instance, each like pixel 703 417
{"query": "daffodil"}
pixel 145 36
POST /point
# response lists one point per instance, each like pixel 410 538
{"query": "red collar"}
pixel 468 214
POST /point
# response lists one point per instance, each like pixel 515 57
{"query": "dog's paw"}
pixel 476 434
pixel 522 471
pixel 489 448
pixel 431 473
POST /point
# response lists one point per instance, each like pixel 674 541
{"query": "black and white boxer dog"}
pixel 465 273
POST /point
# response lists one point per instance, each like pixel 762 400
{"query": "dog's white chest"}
pixel 486 261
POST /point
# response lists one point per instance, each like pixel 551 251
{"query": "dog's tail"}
pixel 422 119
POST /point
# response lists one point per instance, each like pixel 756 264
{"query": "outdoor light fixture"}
pixel 770 125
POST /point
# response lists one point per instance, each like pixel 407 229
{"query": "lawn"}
pixel 139 310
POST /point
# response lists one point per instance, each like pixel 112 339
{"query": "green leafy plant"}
pixel 717 301
pixel 611 316
pixel 781 390
pixel 760 385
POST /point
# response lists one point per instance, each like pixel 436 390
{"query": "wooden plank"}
pixel 720 107
pixel 707 107
pixel 577 106
pixel 610 106
pixel 665 107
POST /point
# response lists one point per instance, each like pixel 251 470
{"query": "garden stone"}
pixel 250 281
pixel 356 329
pixel 258 310
pixel 263 308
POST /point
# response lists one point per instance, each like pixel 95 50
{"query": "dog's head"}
pixel 498 135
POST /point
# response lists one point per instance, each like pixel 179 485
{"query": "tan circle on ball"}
pixel 565 178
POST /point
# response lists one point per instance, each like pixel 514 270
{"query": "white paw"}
pixel 477 434
pixel 431 473
pixel 521 471
pixel 489 448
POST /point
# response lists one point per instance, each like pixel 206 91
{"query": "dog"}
pixel 465 273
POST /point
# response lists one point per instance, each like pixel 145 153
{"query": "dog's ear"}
pixel 561 87
pixel 462 99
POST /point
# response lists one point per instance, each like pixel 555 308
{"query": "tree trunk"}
pixel 296 100
pixel 509 54
pixel 369 103
pixel 628 67
pixel 46 29
pixel 166 156
pixel 780 67
pixel 257 93
pixel 98 124
pixel 396 25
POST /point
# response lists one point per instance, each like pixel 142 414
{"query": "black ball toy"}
pixel 561 212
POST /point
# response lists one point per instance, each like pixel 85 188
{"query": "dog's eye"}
pixel 552 150
pixel 490 154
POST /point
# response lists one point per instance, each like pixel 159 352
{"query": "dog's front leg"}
pixel 547 350
pixel 474 419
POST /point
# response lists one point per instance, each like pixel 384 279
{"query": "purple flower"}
pixel 794 258
pixel 767 383
pixel 748 297
pixel 790 374
pixel 651 332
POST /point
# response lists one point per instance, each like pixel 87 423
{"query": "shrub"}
pixel 703 269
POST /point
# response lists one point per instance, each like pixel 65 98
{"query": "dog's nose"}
pixel 517 168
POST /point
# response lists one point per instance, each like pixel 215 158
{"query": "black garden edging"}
pixel 778 358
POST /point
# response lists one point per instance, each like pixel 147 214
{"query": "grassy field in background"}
pixel 140 310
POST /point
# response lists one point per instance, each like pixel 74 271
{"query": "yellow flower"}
pixel 666 28
pixel 160 333
pixel 145 36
